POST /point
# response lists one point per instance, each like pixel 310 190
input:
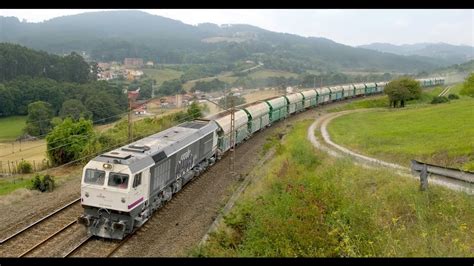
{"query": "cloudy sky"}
pixel 347 26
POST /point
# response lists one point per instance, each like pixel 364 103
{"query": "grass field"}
pixel 226 77
pixel 260 95
pixel 266 73
pixel 161 75
pixel 441 134
pixel 11 127
pixel 307 204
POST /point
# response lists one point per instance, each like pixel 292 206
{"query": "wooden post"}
pixel 34 166
pixel 8 163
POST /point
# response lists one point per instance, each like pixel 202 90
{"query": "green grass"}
pixel 11 127
pixel 375 102
pixel 225 76
pixel 308 204
pixel 161 75
pixel 7 186
pixel 441 134
pixel 266 73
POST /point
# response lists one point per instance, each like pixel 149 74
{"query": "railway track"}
pixel 44 235
pixel 91 246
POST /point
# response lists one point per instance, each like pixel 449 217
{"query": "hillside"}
pixel 114 35
pixel 447 53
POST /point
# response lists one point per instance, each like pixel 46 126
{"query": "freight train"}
pixel 122 188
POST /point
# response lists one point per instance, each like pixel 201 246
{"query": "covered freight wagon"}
pixel 258 115
pixel 278 108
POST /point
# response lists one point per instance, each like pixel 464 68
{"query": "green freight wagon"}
pixel 278 108
pixel 359 89
pixel 349 91
pixel 295 102
pixel 336 93
pixel 380 86
pixel 258 114
pixel 310 98
pixel 223 121
pixel 370 88
pixel 324 95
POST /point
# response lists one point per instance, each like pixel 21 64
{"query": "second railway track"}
pixel 42 237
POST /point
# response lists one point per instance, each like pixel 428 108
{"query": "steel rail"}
pixel 39 221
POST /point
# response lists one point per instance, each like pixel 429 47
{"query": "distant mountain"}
pixel 115 35
pixel 450 54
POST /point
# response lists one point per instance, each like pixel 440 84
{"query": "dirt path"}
pixel 320 125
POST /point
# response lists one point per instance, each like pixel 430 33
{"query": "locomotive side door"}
pixel 138 187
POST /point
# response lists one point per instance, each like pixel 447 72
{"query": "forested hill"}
pixel 451 54
pixel 16 61
pixel 114 35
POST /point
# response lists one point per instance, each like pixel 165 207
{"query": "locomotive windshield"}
pixel 94 177
pixel 118 180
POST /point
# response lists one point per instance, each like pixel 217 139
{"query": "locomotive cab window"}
pixel 118 180
pixel 94 177
pixel 137 180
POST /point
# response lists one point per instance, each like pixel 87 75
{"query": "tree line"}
pixel 16 61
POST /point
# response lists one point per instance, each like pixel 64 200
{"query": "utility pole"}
pixel 153 90
pixel 129 119
pixel 232 135
pixel 132 96
pixel 225 96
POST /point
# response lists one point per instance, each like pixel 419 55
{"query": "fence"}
pixel 11 167
pixel 464 178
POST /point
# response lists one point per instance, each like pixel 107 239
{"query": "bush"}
pixel 24 167
pixel 43 183
pixel 453 96
pixel 439 99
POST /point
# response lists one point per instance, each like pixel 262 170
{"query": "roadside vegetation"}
pixel 308 204
pixel 75 142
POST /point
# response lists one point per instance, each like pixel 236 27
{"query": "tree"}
pixel 75 109
pixel 66 141
pixel 194 110
pixel 171 87
pixel 38 122
pixel 103 109
pixel 401 90
pixel 468 86
pixel 7 102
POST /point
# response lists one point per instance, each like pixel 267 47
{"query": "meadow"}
pixel 11 127
pixel 308 204
pixel 441 134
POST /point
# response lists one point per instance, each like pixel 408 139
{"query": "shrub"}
pixel 453 96
pixel 43 183
pixel 24 167
pixel 439 99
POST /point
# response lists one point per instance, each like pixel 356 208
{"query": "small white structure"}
pixel 140 111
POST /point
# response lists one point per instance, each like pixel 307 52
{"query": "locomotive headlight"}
pixel 107 166
pixel 123 200
pixel 87 194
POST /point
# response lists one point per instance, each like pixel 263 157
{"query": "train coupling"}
pixel 119 226
pixel 85 220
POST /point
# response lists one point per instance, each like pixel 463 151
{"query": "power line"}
pixel 178 121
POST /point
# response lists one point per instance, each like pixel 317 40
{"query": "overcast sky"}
pixel 347 26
